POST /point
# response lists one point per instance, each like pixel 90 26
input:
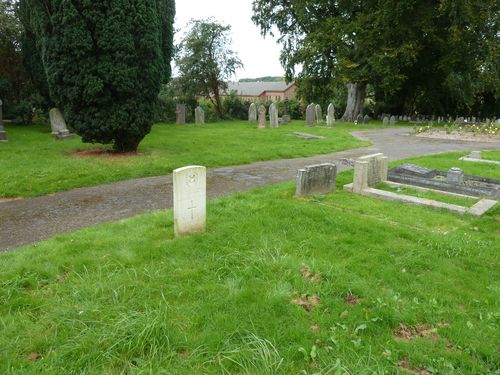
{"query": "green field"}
pixel 32 163
pixel 336 284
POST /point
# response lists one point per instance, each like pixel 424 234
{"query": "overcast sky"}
pixel 260 56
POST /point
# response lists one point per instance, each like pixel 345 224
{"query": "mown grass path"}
pixel 31 220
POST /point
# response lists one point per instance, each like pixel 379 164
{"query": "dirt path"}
pixel 31 220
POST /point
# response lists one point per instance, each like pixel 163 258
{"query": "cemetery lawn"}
pixel 33 164
pixel 336 284
pixel 460 201
pixel 491 155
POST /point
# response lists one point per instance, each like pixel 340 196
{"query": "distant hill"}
pixel 263 79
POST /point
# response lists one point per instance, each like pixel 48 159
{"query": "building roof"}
pixel 257 88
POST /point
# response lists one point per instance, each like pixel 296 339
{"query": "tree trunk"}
pixel 126 145
pixel 356 93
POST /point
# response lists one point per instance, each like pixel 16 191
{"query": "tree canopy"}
pixel 102 63
pixel 206 61
pixel 434 56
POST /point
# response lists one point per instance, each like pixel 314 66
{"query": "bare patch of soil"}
pixel 3 200
pixel 308 302
pixel 351 299
pixel 407 333
pixel 467 136
pixel 33 357
pixel 100 152
pixel 62 277
pixel 306 273
pixel 406 367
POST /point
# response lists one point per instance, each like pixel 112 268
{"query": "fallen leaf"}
pixel 405 332
pixel 34 356
pixel 62 277
pixel 315 328
pixel 307 302
pixel 306 273
pixel 351 299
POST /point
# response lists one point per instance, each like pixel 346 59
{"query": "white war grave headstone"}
pixel 330 118
pixel 190 199
pixel 252 113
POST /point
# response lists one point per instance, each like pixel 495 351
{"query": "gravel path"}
pixel 31 220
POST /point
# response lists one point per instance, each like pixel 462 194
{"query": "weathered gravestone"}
pixel 252 113
pixel 318 113
pixel 369 171
pixel 310 115
pixel 475 155
pixel 316 179
pixel 359 119
pixel 385 121
pixel 199 115
pixel 455 176
pixel 180 111
pixel 262 117
pixel 330 117
pixel 286 115
pixel 392 121
pixel 3 134
pixel 190 199
pixel 273 116
pixel 58 124
pixel 366 119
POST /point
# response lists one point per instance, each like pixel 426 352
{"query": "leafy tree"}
pixel 412 52
pixel 206 61
pixel 102 62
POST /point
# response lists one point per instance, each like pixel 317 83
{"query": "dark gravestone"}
pixel 414 170
pixel 316 179
pixel 3 134
pixel 366 119
pixel 180 111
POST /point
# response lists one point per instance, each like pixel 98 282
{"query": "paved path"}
pixel 31 220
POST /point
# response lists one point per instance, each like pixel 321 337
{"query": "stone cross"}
pixel 58 124
pixel 310 115
pixel 316 179
pixel 252 113
pixel 273 115
pixel 262 117
pixel 319 114
pixel 330 118
pixel 369 171
pixel 190 199
pixel 180 111
pixel 3 134
pixel 199 115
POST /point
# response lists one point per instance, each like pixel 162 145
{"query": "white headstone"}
pixel 199 115
pixel 190 199
pixel 252 113
pixel 57 122
pixel 370 170
pixel 330 118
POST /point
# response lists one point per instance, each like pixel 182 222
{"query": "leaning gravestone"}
pixel 330 117
pixel 310 115
pixel 181 114
pixel 273 116
pixel 385 121
pixel 318 113
pixel 190 199
pixel 392 121
pixel 3 134
pixel 316 179
pixel 58 124
pixel 199 115
pixel 262 117
pixel 252 113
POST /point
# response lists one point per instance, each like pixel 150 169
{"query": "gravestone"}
pixel 252 113
pixel 310 115
pixel 359 119
pixel 385 121
pixel 475 155
pixel 369 171
pixel 316 179
pixel 286 114
pixel 318 113
pixel 330 117
pixel 392 121
pixel 273 116
pixel 262 117
pixel 366 119
pixel 455 176
pixel 3 134
pixel 199 115
pixel 181 114
pixel 190 199
pixel 58 124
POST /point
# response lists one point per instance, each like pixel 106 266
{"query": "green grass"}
pixel 491 155
pixel 461 201
pixel 32 163
pixel 132 299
